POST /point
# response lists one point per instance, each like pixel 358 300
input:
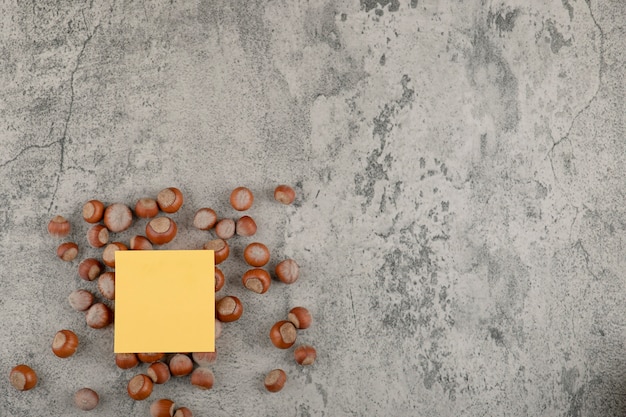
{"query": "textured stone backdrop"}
pixel 460 176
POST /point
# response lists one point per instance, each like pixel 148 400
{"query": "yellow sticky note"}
pixel 164 301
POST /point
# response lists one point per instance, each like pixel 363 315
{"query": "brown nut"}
pixel 284 194
pixel 86 399
pixel 108 255
pixel 220 248
pixel 67 251
pixel 106 285
pixel 93 210
pixel 139 242
pixel 180 365
pixel 99 316
pixel 90 269
pixel 23 378
pixel 98 236
pixel 170 199
pixel 183 412
pixel 246 226
pixel 225 228
pixel 150 357
pixel 256 254
pixel 219 279
pixel 283 334
pixel 161 230
pixel 65 343
pixel 288 271
pixel 118 217
pixel 159 372
pixel 275 380
pixel 218 329
pixel 241 198
pixel 59 226
pixel 202 378
pixel 126 360
pixel 205 219
pixel 80 300
pixel 300 317
pixel 162 408
pixel 139 387
pixel 256 280
pixel 229 309
pixel 146 208
pixel 305 354
pixel 204 358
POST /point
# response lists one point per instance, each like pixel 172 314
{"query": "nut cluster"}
pixel 107 220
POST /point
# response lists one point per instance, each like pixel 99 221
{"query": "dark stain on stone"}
pixel 379 12
pixel 568 382
pixel 376 169
pixel 496 335
pixel 394 5
pixel 491 75
pixel 557 41
pixel 322 27
pixel 483 145
pixel 504 23
pixel 344 17
pixel 382 59
pixel 569 7
pixel 413 4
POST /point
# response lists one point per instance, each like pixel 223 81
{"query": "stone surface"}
pixel 459 221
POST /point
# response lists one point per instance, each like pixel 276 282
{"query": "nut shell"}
pixel 59 226
pixel 288 271
pixel 275 380
pixel 118 217
pixel 202 378
pixel 283 334
pixel 300 317
pixel 98 236
pixel 305 355
pixel 170 199
pixel 106 285
pixel 146 208
pixel 246 226
pixel 139 387
pixel 139 242
pixel 65 343
pixel 80 300
pixel 241 198
pixel 67 251
pixel 161 230
pixel 86 399
pixel 183 412
pixel 225 228
pixel 126 360
pixel 204 358
pixel 284 194
pixel 219 279
pixel 23 378
pixel 256 254
pixel 90 269
pixel 93 210
pixel 150 357
pixel 229 309
pixel 159 372
pixel 256 280
pixel 99 316
pixel 180 365
pixel 162 408
pixel 220 249
pixel 108 255
pixel 205 219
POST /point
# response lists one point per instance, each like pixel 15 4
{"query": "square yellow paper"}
pixel 164 301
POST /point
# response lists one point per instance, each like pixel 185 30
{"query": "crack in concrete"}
pixel 593 98
pixel 26 149
pixel 586 256
pixel 70 110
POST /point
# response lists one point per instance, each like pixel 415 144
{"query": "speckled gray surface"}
pixel 460 177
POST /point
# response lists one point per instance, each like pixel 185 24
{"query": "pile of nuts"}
pixel 159 230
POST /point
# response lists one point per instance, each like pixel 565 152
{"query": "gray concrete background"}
pixel 460 176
